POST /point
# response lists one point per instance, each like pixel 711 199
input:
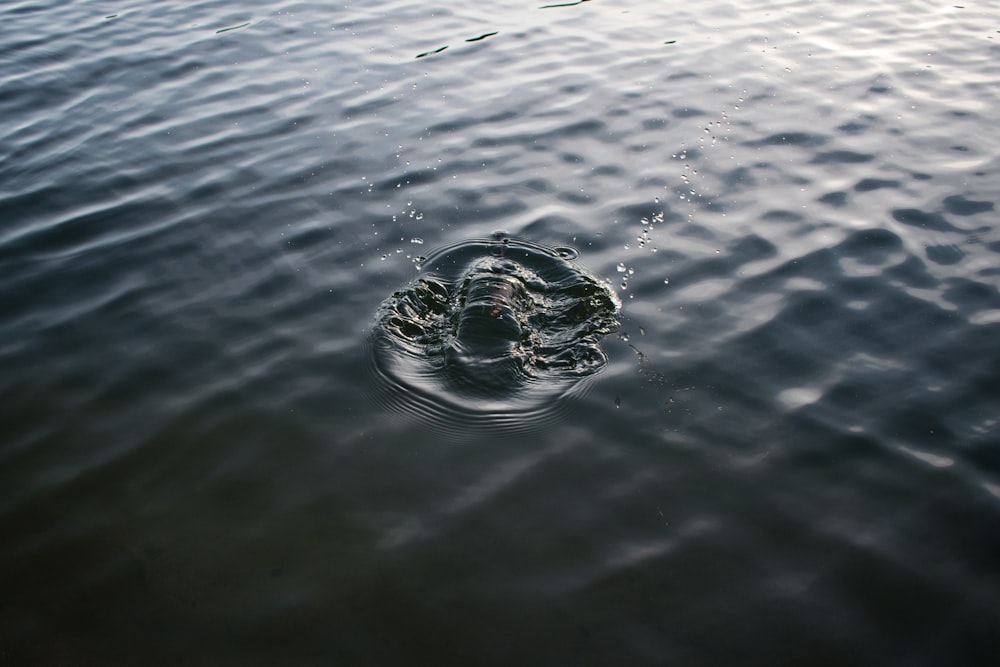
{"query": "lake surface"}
pixel 792 455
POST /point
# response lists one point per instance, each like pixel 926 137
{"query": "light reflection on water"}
pixel 791 450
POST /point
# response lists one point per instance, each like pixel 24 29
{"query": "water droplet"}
pixel 666 281
pixel 621 268
pixel 417 241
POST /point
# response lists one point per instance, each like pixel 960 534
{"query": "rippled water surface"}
pixel 791 455
pixel 494 334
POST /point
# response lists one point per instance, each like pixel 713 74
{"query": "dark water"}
pixel 791 457
pixel 493 335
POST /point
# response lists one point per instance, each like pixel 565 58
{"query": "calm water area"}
pixel 790 457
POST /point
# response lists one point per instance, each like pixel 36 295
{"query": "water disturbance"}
pixel 724 392
pixel 493 332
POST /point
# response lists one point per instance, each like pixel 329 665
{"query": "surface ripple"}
pixel 215 442
pixel 494 333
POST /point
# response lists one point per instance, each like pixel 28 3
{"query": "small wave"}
pixel 494 331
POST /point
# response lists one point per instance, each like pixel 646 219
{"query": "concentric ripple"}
pixel 493 331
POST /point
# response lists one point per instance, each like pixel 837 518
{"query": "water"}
pixel 493 335
pixel 791 456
